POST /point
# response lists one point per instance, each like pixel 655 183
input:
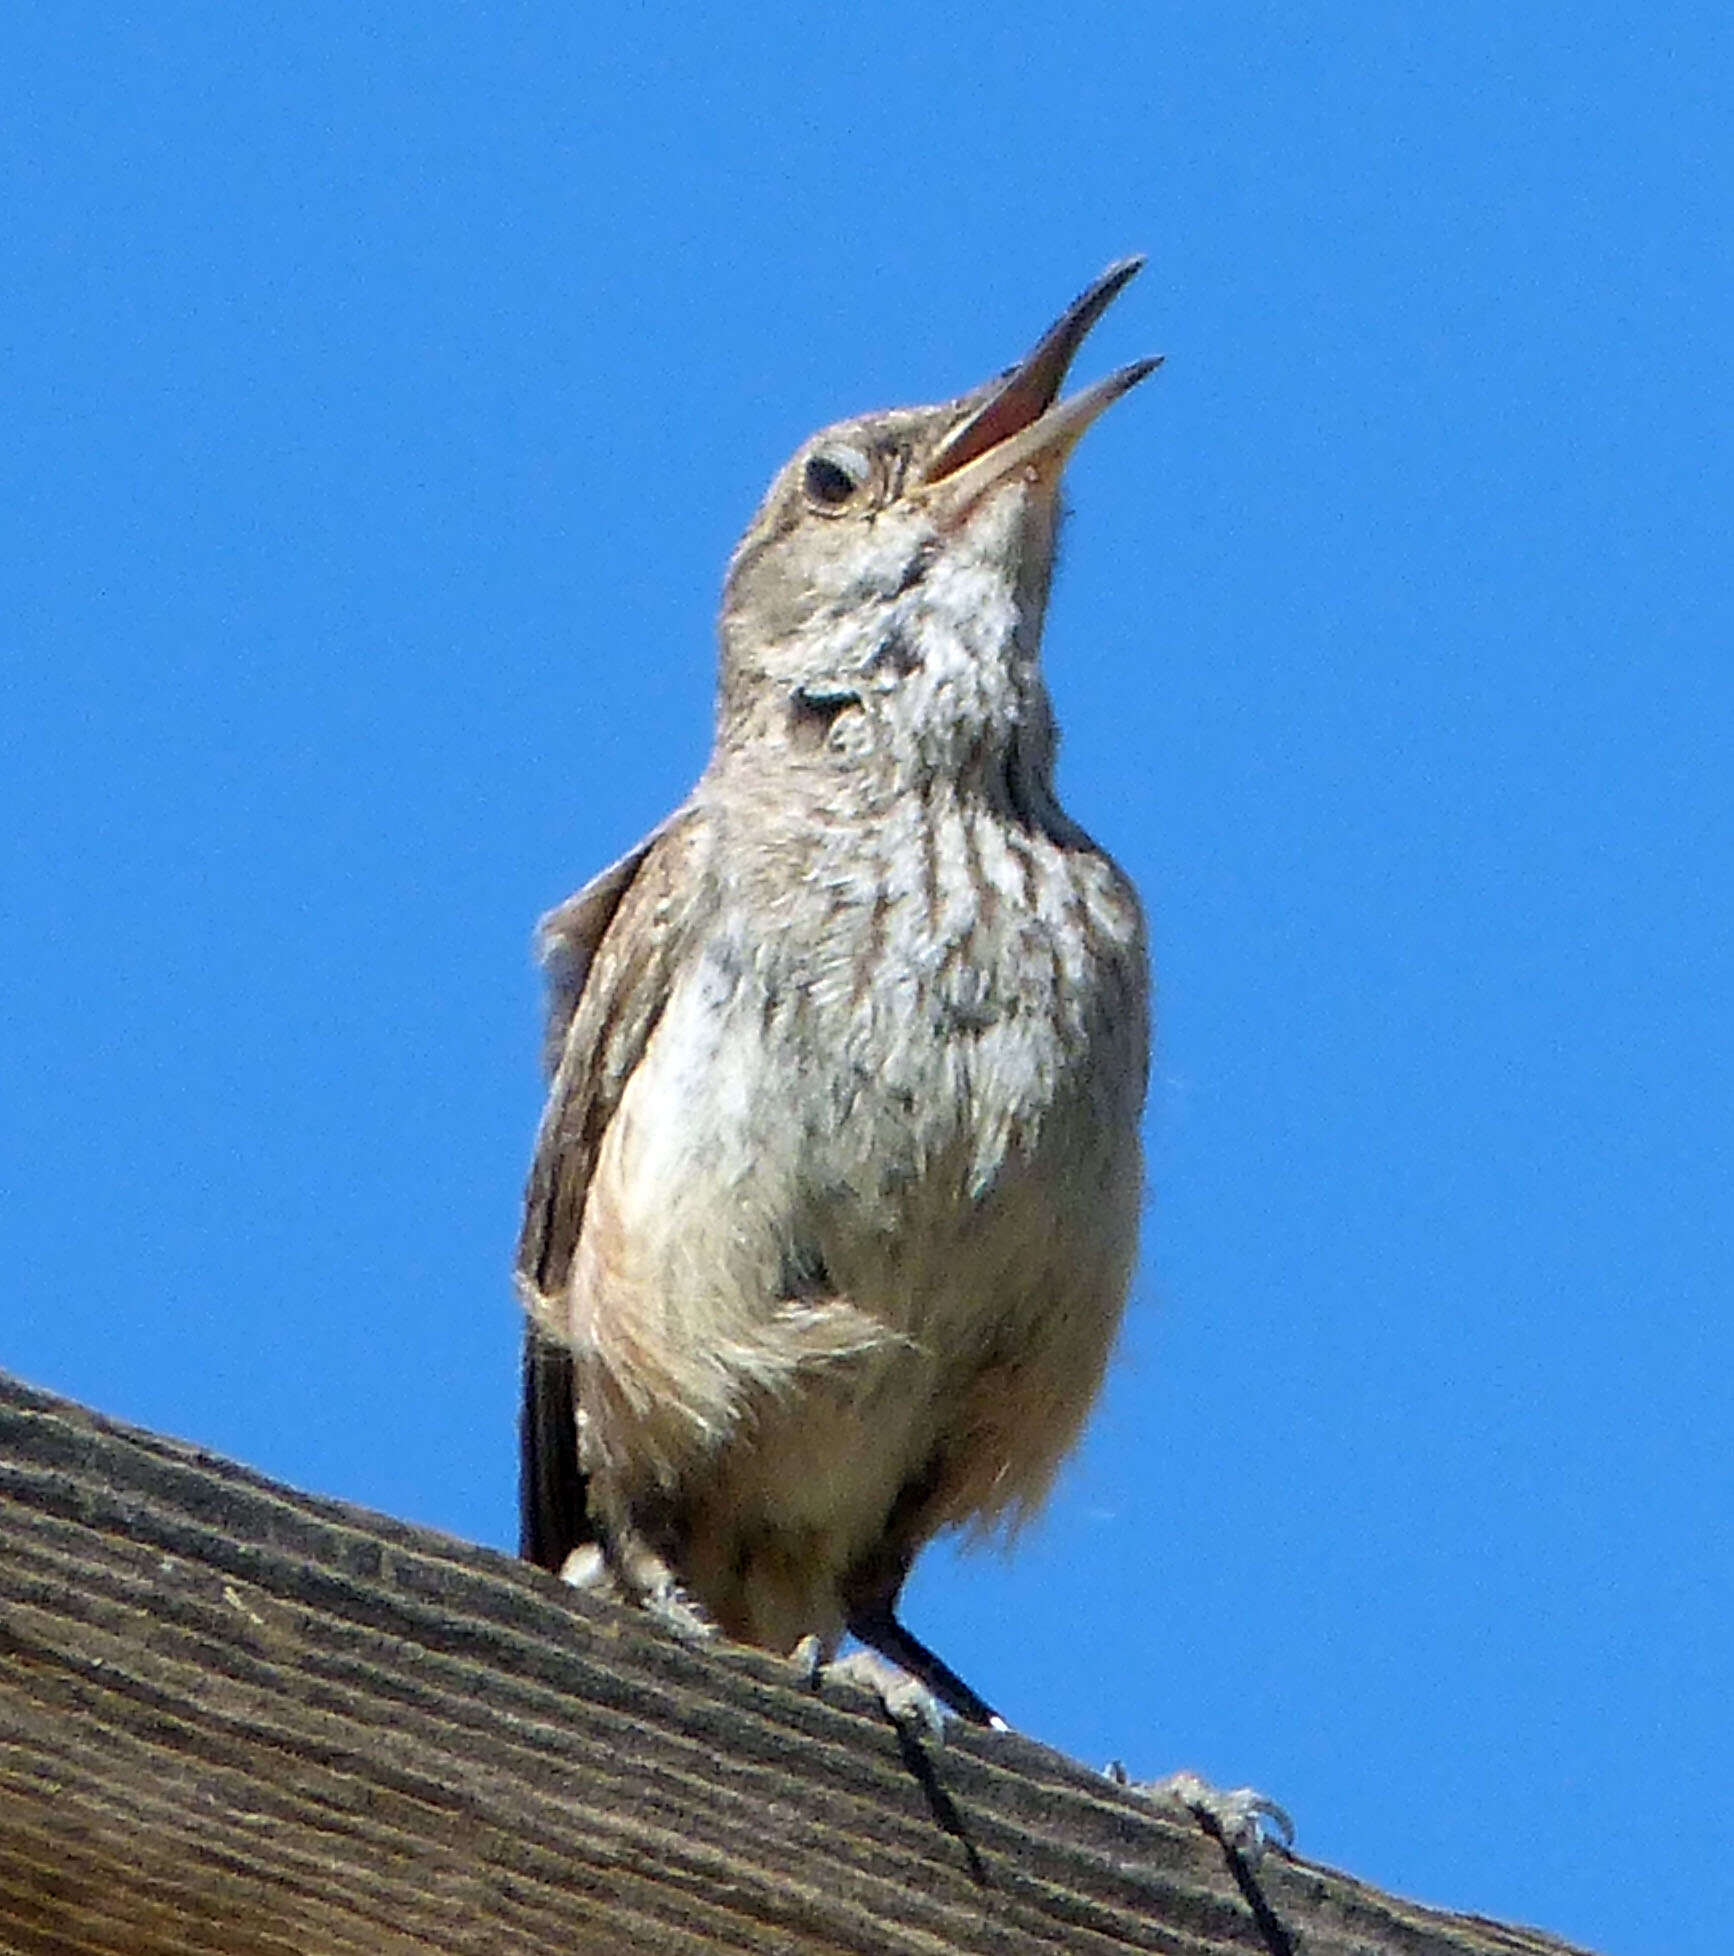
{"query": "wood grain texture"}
pixel 235 1718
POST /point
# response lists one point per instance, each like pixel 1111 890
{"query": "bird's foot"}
pixel 906 1701
pixel 1239 1817
pixel 876 1626
pixel 634 1573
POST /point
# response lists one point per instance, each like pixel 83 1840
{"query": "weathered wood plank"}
pixel 237 1718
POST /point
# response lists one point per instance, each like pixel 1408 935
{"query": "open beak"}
pixel 1018 426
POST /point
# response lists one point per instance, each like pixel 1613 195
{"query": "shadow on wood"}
pixel 237 1718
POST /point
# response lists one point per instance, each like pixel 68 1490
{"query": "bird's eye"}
pixel 832 477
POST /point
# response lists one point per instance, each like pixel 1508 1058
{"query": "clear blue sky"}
pixel 384 390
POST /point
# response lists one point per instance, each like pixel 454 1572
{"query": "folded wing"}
pixel 609 953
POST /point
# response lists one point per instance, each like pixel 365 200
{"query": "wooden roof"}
pixel 236 1718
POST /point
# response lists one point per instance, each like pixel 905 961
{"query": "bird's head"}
pixel 884 610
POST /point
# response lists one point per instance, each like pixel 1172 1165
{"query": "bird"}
pixel 835 1202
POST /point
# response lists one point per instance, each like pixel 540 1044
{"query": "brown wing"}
pixel 609 953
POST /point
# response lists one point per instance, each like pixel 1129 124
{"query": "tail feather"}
pixel 553 1511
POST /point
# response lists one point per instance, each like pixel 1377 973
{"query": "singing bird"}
pixel 835 1202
